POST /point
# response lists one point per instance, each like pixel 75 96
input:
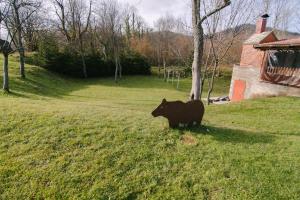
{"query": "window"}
pixel 286 58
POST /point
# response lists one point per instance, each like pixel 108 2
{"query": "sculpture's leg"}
pixel 173 124
pixel 190 124
pixel 198 122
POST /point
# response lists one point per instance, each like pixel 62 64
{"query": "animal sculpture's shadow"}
pixel 229 135
pixel 179 113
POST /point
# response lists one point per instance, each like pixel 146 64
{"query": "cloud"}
pixel 151 10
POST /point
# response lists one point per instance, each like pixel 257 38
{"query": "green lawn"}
pixel 94 139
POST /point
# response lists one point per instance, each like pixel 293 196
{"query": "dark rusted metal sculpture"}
pixel 178 112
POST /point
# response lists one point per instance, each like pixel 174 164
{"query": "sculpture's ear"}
pixel 164 101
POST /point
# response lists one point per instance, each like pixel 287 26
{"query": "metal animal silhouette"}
pixel 178 112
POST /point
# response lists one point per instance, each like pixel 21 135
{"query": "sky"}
pixel 151 10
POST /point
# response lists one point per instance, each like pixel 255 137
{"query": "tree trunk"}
pixel 165 69
pixel 84 70
pixel 20 44
pixel 5 73
pixel 198 51
pixel 178 80
pixel 158 70
pixel 158 63
pixel 218 72
pixel 117 69
pixel 212 81
pixel 120 68
pixel 204 74
pixel 22 61
pixel 104 52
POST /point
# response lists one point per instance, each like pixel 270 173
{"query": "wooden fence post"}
pixel 173 77
pixel 178 80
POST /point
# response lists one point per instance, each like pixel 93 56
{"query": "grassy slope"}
pixel 93 139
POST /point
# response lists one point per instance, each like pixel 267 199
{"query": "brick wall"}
pixel 251 56
pixel 254 57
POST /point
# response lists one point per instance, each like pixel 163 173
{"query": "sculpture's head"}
pixel 161 109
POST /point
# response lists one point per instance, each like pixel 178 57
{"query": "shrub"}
pixel 135 64
pixel 69 63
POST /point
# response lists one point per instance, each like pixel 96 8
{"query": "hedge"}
pixel 70 64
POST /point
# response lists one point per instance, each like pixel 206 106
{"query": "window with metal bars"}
pixel 283 67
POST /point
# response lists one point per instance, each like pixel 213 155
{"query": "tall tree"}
pixel 5 46
pixel 21 10
pixel 240 12
pixel 165 26
pixel 30 30
pixel 74 20
pixel 198 34
pixel 110 23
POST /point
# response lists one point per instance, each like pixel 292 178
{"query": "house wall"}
pixel 254 87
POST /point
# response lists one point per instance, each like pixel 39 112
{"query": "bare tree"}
pixel 21 10
pixel 198 34
pixel 31 28
pixel 110 21
pixel 220 42
pixel 62 14
pixel 165 26
pixel 282 12
pixel 77 20
pixel 5 46
pixel 74 20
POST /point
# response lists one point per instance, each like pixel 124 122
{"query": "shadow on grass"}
pixel 16 94
pixel 134 81
pixel 153 82
pixel 40 82
pixel 232 135
pixel 43 83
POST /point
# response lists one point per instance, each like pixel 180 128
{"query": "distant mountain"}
pixel 184 43
pixel 248 29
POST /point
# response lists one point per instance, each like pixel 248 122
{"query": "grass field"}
pixel 94 139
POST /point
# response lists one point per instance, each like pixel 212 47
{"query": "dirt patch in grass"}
pixel 189 140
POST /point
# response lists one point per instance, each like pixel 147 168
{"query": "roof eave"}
pixel 278 47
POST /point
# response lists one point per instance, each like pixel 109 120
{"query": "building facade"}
pixel 268 66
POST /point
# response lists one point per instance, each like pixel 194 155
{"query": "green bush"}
pixel 69 63
pixel 135 64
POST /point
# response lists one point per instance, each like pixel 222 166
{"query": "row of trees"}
pixel 78 27
pixel 102 28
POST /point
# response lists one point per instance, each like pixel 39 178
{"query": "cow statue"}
pixel 177 112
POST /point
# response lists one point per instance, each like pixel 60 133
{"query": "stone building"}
pixel 268 66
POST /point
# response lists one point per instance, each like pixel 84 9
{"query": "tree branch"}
pixel 219 8
pixel 88 18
